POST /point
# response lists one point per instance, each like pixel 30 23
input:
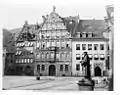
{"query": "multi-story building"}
pixel 89 39
pixel 24 56
pixel 53 46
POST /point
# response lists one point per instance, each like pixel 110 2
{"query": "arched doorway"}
pixel 97 71
pixel 52 70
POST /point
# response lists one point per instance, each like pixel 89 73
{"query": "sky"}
pixel 13 13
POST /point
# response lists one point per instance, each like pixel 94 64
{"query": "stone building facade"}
pixel 53 47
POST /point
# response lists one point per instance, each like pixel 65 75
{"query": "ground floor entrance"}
pixel 52 70
pixel 97 71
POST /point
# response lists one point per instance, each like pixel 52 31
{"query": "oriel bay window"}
pixel 96 57
pixel 89 46
pixel 83 46
pixel 77 56
pixel 102 56
pixel 77 46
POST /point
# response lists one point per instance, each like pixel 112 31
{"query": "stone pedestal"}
pixel 86 85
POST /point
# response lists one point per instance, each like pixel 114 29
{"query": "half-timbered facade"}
pixel 25 50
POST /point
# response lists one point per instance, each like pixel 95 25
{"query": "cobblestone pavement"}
pixel 46 83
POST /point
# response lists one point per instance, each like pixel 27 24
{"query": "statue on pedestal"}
pixel 86 84
pixel 86 65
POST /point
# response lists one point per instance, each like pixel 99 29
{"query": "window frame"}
pixel 77 46
pixel 102 47
pixel 89 46
pixel 83 46
pixel 77 57
pixel 66 68
pixel 61 67
pixel 77 67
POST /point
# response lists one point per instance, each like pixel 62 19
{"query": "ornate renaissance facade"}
pixel 53 47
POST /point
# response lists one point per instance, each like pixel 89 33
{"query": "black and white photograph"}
pixel 58 46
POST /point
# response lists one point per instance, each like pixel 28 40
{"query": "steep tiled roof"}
pixel 75 25
pixel 16 32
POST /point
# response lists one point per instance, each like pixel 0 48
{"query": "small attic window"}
pixel 84 35
pixel 90 34
pixel 80 35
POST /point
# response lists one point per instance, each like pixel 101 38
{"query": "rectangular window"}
pixel 95 46
pixel 62 44
pixel 89 46
pixel 102 57
pixel 68 56
pixel 66 67
pixel 77 46
pixel 52 55
pixel 77 56
pixel 57 55
pixel 47 55
pixel 77 67
pixel 58 44
pixel 47 34
pixel 90 56
pixel 53 43
pixel 61 67
pixel 101 46
pixel 96 57
pixel 42 55
pixel 62 56
pixel 28 60
pixel 83 46
pixel 43 67
pixel 48 44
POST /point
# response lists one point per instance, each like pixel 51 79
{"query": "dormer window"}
pixel 84 35
pixel 80 35
pixel 90 34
